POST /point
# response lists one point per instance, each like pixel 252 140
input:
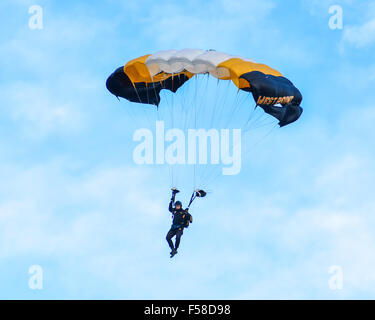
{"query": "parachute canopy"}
pixel 142 79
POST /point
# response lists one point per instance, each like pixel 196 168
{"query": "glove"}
pixel 174 190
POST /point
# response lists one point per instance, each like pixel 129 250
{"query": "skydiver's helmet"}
pixel 178 203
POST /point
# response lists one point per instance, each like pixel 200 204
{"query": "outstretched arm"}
pixel 172 201
pixel 174 191
pixel 171 205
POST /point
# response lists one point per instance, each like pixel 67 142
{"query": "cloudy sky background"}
pixel 73 201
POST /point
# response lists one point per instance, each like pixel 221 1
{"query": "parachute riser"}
pixel 192 198
pixel 196 193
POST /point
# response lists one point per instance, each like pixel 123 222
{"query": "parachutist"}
pixel 181 219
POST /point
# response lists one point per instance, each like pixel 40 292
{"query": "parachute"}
pixel 195 95
pixel 142 79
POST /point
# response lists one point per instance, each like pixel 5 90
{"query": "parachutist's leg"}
pixel 169 237
pixel 179 234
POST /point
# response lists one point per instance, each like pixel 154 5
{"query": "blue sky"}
pixel 73 201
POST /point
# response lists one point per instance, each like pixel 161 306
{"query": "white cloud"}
pixel 45 210
pixel 38 112
pixel 361 35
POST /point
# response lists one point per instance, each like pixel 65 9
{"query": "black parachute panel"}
pixel 285 114
pixel 119 84
pixel 262 85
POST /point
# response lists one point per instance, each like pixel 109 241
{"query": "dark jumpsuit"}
pixel 181 220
